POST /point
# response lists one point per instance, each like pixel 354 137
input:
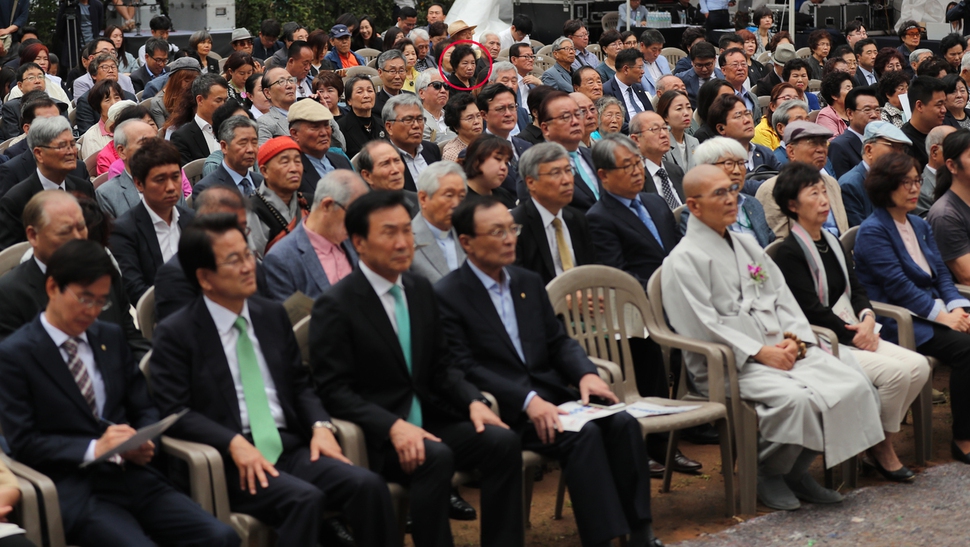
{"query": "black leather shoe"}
pixel 903 474
pixel 656 469
pixel 683 464
pixel 340 532
pixel 460 509
pixel 652 540
pixel 702 434
pixel 958 454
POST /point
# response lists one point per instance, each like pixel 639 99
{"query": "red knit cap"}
pixel 274 146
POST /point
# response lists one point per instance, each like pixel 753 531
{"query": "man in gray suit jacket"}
pixel 294 263
pixel 649 131
pixel 441 187
pixel 117 195
pixel 237 138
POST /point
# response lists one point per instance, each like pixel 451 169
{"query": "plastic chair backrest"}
pixel 11 256
pixel 145 310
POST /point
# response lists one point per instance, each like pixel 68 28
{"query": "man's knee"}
pixel 364 480
pixel 504 445
pixel 439 460
pixel 221 534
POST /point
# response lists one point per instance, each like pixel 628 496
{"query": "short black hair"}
pixel 731 51
pixel 100 91
pixel 951 40
pixel 490 91
pixel 515 50
pixel 357 219
pixel 536 96
pixel 718 112
pixel 648 38
pixel 691 34
pixel 922 89
pixel 437 29
pixel 702 50
pixel 791 179
pixel 80 261
pixel 954 145
pixel 886 175
pixel 289 29
pixel 853 26
pixel 793 65
pixel 482 148
pixel 227 110
pixel 522 23
pixel 858 91
pixel 195 243
pixel 572 26
pixel 727 39
pixel 861 44
pixel 24 68
pixel 160 22
pixel 933 66
pixel 156 44
pixel 153 152
pixel 296 48
pixel 406 12
pixel 463 217
pixel 706 95
pixel 458 53
pixel 455 107
pixel 270 28
pixel 627 57
pixel 832 85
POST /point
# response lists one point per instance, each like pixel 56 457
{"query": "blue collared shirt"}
pixel 237 178
pixel 652 226
pixel 446 242
pixel 322 165
pixel 708 6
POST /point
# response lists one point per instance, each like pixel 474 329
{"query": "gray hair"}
pixel 965 63
pixel 390 55
pixel 661 89
pixel 419 33
pixel 651 37
pixel 424 79
pixel 484 37
pixel 217 199
pixel 935 137
pixel 914 56
pixel 44 130
pixel 782 115
pixel 227 131
pixel 538 154
pixel 499 68
pixel 337 185
pixel 559 41
pixel 120 135
pixel 716 148
pixel 401 99
pixel 604 151
pixel 607 100
pixel 428 180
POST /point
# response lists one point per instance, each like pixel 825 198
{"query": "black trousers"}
pixel 717 19
pixel 496 452
pixel 607 474
pixel 295 501
pixel 131 507
pixel 16 541
pixel 952 348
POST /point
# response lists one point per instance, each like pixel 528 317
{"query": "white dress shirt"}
pixel 48 184
pixel 626 99
pixel 86 356
pixel 210 138
pixel 654 70
pixel 225 321
pixel 383 289
pixel 547 219
pixel 652 168
pixel 167 234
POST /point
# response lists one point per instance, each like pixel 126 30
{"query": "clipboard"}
pixel 144 434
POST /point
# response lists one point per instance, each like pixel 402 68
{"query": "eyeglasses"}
pixel 90 302
pixel 438 85
pixel 911 183
pixel 569 116
pixel 410 120
pixel 912 33
pixel 565 48
pixel 630 168
pixel 735 66
pixel 162 60
pixel 32 79
pixel 584 35
pixel 559 173
pixel 526 57
pixel 245 258
pixel 741 115
pixel 870 110
pixel 652 130
pixel 394 71
pixel 589 111
pixel 108 67
pixel 70 145
pixel 721 193
pixel 616 44
pixel 502 233
pixel 731 165
pixel 284 81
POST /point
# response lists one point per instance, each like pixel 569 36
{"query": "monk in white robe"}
pixel 720 286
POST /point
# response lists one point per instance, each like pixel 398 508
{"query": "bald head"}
pixel 697 179
pixel 219 199
pixel 710 198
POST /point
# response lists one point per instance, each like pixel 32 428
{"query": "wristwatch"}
pixel 324 424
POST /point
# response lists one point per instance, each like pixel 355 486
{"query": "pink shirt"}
pixel 106 157
pixel 332 257
pixel 119 165
pixel 908 235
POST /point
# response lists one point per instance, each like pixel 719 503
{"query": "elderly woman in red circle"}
pixel 463 64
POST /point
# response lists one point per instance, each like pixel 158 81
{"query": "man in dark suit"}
pixel 35 104
pixel 502 330
pixel 625 85
pixel 71 392
pixel 865 53
pixel 53 218
pixel 382 167
pixel 497 104
pixel 560 125
pixel 147 235
pixel 311 126
pixel 665 178
pixel 379 359
pixel 232 360
pixel 404 123
pixel 551 230
pixel 703 57
pixel 52 145
pixel 238 139
pixel 153 66
pixel 783 53
pixel 845 151
pixel 195 139
pixel 296 263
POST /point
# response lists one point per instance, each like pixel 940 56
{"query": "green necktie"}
pixel 404 337
pixel 266 436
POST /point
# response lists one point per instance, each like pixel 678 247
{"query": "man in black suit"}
pixel 53 218
pixel 845 151
pixel 403 117
pixel 625 85
pixel 52 145
pixel 391 68
pixel 865 54
pixel 551 230
pixel 86 116
pixel 232 360
pixel 147 235
pixel 382 167
pixel 502 330
pixel 379 359
pixel 497 104
pixel 156 57
pixel 561 121
pixel 238 138
pixel 664 178
pixel 195 139
pixel 35 104
pixel 71 392
pixel 311 127
pixel 30 80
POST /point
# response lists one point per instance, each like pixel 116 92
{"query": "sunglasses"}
pixel 438 85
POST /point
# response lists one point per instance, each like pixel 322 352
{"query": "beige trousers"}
pixel 898 374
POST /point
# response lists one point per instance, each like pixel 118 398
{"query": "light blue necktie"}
pixel 247 187
pixel 404 337
pixel 641 212
pixel 581 171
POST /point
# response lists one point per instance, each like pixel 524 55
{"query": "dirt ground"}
pixel 695 504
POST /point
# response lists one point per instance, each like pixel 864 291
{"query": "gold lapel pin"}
pixel 103 348
pixel 523 296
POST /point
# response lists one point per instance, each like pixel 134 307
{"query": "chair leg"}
pixel 919 435
pixel 925 401
pixel 748 460
pixel 669 460
pixel 560 494
pixel 528 483
pixel 727 467
pixel 850 472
